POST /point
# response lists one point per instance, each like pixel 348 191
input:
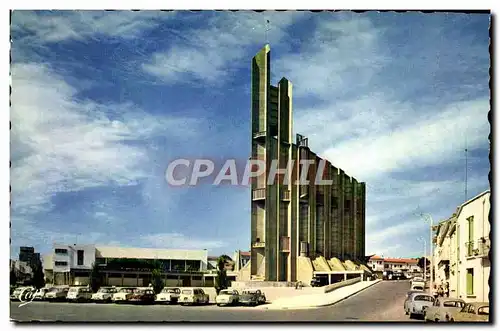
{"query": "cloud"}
pixel 57 26
pixel 180 241
pixel 60 143
pixel 211 55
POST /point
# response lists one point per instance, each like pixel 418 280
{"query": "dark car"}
pixel 318 282
pixel 252 297
pixel 142 295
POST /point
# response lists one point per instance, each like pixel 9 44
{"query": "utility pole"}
pixel 466 167
pixel 431 221
pixel 267 29
pixel 425 257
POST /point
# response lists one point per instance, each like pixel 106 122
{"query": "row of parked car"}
pixel 443 309
pixel 144 295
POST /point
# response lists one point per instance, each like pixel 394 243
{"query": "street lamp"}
pixel 425 257
pixel 428 217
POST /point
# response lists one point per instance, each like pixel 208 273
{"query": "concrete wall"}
pixel 338 285
pixel 304 270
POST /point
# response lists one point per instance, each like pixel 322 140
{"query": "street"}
pixel 381 302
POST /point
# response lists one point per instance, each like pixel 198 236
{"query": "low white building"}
pixel 406 265
pixel 120 266
pixel 464 248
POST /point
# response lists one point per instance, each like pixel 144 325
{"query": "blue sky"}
pixel 103 101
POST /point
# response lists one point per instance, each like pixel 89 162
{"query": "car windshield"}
pixel 139 291
pixel 54 290
pixel 187 291
pixel 103 290
pixel 424 298
pixel 168 290
pixel 249 292
pixel 417 288
pixel 225 292
pixel 73 290
pixel 126 290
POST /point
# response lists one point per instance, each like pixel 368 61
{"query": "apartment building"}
pixel 406 265
pixel 120 266
pixel 290 219
pixel 462 250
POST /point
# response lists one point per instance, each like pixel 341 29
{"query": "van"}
pixel 193 296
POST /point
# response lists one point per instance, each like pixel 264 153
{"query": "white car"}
pixel 104 294
pixel 168 295
pixel 57 294
pixel 123 294
pixel 193 296
pixel 227 297
pixel 23 293
pixel 79 294
pixel 40 294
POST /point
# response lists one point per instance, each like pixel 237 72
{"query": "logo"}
pixel 26 297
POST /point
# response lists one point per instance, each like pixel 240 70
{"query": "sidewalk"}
pixel 319 300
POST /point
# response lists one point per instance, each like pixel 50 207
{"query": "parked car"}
pixel 193 296
pixel 79 294
pixel 123 294
pixel 417 283
pixel 104 294
pixel 40 293
pixel 57 294
pixel 168 295
pixel 417 303
pixel 252 297
pixel 442 309
pixel 22 293
pixel 407 299
pixel 227 297
pixel 472 312
pixel 142 296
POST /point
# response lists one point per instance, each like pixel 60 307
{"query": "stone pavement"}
pixel 320 299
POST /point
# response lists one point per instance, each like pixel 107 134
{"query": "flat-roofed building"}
pixel 125 266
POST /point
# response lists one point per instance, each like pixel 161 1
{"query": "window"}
pixel 61 251
pixel 449 304
pixel 470 281
pixel 79 259
pixel 470 221
pixel 61 263
pixel 335 203
pixel 347 205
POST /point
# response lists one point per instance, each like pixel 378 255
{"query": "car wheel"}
pixel 452 320
pixel 412 316
pixel 436 320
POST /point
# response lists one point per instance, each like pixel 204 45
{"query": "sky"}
pixel 102 102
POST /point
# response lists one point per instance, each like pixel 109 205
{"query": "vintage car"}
pixel 417 302
pixel 144 295
pixel 193 296
pixel 79 294
pixel 442 309
pixel 227 297
pixel 23 293
pixel 104 294
pixel 40 293
pixel 168 295
pixel 417 283
pixel 472 312
pixel 123 294
pixel 57 294
pixel 252 297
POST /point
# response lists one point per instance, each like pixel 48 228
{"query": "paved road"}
pixel 381 302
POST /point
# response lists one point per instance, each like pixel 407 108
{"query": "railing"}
pixel 259 194
pixel 285 195
pixel 258 244
pixel 260 134
pixel 483 246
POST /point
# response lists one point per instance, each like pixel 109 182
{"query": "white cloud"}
pixel 211 55
pixel 60 143
pixel 56 26
pixel 180 241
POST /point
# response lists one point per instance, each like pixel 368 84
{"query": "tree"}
pixel 221 281
pixel 38 277
pixel 156 280
pixel 421 260
pixel 95 280
pixel 13 277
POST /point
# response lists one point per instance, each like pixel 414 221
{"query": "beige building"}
pixel 291 220
pixel 462 250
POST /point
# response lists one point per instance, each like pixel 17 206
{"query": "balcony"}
pixel 259 135
pixel 258 244
pixel 259 194
pixel 285 244
pixel 483 247
pixel 285 195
